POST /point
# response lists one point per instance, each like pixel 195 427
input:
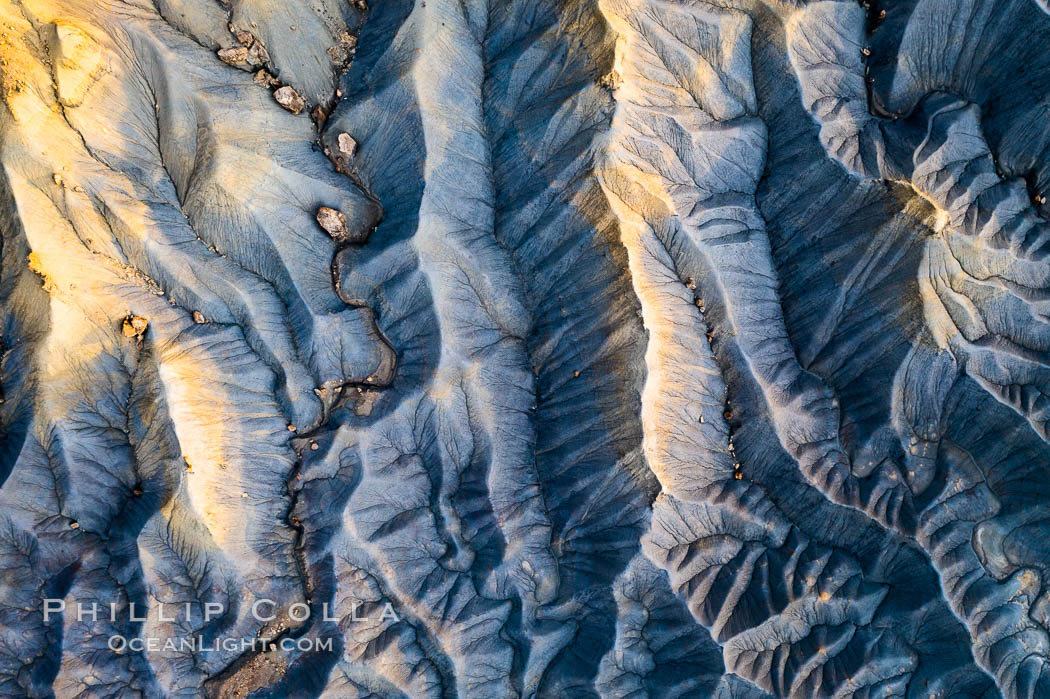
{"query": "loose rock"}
pixel 242 36
pixel 265 79
pixel 134 326
pixel 234 56
pixel 245 57
pixel 347 145
pixel 334 223
pixel 320 116
pixel 344 50
pixel 291 100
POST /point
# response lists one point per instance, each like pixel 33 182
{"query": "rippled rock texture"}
pixel 525 348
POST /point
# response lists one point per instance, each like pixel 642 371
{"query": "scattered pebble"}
pixel 291 100
pixel 242 36
pixel 347 145
pixel 344 50
pixel 234 56
pixel 333 222
pixel 265 79
pixel 198 318
pixel 320 116
pixel 610 81
pixel 134 326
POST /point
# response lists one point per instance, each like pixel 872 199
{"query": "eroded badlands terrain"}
pixel 620 348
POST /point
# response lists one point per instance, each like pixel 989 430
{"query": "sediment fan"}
pixel 524 348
